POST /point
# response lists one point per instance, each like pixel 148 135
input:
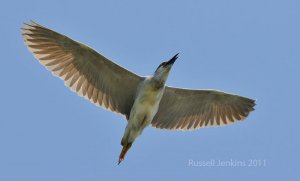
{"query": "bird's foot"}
pixel 123 152
pixel 120 160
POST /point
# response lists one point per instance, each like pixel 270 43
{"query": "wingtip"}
pixel 24 26
pixel 32 22
pixel 254 102
pixel 29 25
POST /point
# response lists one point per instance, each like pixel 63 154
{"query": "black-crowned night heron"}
pixel 143 100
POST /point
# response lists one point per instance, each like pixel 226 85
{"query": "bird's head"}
pixel 163 70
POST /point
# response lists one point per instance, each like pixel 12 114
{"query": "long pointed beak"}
pixel 173 59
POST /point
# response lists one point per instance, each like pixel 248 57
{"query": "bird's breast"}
pixel 150 95
pixel 146 104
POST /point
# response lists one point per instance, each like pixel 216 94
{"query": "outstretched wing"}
pixel 85 71
pixel 185 109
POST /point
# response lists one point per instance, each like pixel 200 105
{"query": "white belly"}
pixel 143 110
pixel 145 107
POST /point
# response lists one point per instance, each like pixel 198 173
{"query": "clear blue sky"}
pixel 249 48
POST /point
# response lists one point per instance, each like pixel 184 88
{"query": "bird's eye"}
pixel 162 64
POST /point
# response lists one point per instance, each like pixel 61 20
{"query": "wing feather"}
pixel 83 70
pixel 184 109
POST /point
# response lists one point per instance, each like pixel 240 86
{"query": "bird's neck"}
pixel 160 77
pixel 158 81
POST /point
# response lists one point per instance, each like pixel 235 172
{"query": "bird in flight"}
pixel 143 101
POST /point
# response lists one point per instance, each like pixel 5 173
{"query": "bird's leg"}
pixel 132 131
pixel 126 147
